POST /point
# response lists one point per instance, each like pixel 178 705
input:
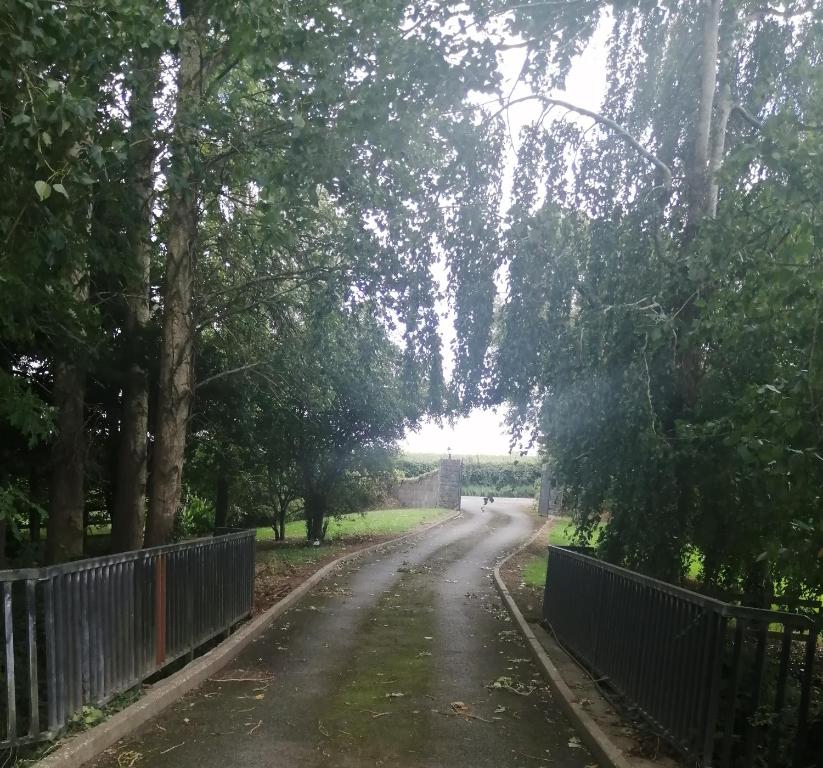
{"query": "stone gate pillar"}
pixel 451 478
pixel 544 503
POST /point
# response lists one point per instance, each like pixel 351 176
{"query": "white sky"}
pixel 483 432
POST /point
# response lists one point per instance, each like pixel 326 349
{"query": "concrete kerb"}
pixel 607 753
pixel 84 747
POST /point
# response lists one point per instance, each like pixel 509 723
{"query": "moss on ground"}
pixel 383 695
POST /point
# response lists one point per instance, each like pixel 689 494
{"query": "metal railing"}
pixel 724 684
pixel 80 633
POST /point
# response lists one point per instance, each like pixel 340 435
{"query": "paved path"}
pixel 393 662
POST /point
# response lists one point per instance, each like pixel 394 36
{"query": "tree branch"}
pixel 747 116
pixel 223 374
pixel 609 123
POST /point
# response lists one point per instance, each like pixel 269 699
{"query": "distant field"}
pixel 471 458
pixel 483 474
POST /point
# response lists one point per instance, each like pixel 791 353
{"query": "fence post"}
pixel 160 609
pixel 715 668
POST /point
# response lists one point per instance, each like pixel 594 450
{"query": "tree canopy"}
pixel 180 181
pixel 660 331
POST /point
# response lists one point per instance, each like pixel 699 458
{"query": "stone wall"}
pixel 421 491
pixel 551 496
pixel 438 488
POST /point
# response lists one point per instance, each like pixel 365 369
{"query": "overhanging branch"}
pixel 609 123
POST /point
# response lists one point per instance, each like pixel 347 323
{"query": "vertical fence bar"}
pixel 733 685
pixel 780 693
pixel 51 657
pixel 11 699
pixel 714 667
pixel 160 610
pixel 34 694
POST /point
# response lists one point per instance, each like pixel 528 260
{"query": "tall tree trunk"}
pixel 129 517
pixel 701 202
pixel 34 511
pixel 67 492
pixel 176 354
pixel 699 174
pixel 3 560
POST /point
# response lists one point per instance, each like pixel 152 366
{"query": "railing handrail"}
pixel 728 610
pixel 48 571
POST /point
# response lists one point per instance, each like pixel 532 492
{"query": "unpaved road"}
pixel 404 658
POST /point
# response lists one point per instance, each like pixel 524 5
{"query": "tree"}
pixel 653 251
pixel 140 221
pixel 271 109
pixel 344 410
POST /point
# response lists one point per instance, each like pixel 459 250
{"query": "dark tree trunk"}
pixel 281 513
pixel 3 561
pixel 221 506
pixel 67 492
pixel 315 514
pixel 129 518
pixel 35 484
pixel 34 524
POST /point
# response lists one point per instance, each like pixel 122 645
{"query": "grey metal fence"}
pixel 725 684
pixel 80 633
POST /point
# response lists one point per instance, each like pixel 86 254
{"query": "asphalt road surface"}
pixel 405 657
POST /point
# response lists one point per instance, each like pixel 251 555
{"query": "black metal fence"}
pixel 80 633
pixel 725 684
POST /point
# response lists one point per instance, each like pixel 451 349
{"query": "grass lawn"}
pixel 562 534
pixel 284 557
pixel 534 571
pixel 379 522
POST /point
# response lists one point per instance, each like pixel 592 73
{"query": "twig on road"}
pixel 259 723
pixel 375 715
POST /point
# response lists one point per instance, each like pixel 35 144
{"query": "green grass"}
pixel 533 572
pixel 293 553
pixel 379 522
pixel 561 535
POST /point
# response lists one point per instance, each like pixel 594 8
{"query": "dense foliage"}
pixel 187 189
pixel 661 330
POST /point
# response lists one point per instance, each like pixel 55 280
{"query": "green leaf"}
pixel 61 189
pixel 43 189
